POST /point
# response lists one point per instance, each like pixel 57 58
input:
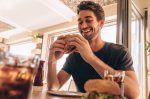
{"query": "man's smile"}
pixel 86 31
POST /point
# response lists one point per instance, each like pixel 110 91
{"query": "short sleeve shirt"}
pixel 116 56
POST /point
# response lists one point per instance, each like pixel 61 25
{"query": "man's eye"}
pixel 80 22
pixel 88 21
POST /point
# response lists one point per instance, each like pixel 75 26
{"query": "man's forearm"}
pixel 131 88
pixel 100 66
pixel 53 82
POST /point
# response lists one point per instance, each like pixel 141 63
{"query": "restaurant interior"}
pixel 29 27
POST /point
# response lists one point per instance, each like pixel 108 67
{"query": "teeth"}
pixel 85 30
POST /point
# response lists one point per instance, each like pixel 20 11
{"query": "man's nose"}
pixel 84 25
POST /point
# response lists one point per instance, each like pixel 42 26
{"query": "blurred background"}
pixel 28 27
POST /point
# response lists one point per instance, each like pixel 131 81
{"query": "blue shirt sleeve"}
pixel 126 61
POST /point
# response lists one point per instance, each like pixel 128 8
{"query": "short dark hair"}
pixel 92 6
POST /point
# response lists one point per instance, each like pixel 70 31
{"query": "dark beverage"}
pixel 117 77
pixel 38 81
pixel 109 77
pixel 15 82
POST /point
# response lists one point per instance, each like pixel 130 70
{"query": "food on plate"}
pixel 102 86
pixel 96 95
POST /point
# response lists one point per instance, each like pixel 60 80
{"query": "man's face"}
pixel 88 25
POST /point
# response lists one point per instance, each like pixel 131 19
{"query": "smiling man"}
pixel 92 55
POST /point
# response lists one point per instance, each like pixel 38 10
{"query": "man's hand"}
pixel 57 49
pixel 82 46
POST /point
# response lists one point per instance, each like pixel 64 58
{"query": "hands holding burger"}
pixel 70 43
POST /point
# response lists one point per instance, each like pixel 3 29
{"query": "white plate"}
pixel 65 93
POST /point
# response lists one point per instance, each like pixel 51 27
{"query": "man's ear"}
pixel 101 23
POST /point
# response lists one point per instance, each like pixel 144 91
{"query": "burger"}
pixel 101 89
pixel 68 48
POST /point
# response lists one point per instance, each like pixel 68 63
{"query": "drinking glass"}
pixel 16 76
pixel 118 77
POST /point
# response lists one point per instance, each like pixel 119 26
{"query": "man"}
pixel 92 56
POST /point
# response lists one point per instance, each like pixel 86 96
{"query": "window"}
pixel 137 48
pixel 23 49
pixel 109 33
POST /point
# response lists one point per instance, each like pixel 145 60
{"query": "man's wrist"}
pixel 51 62
pixel 92 59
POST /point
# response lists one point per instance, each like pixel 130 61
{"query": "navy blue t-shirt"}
pixel 114 55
